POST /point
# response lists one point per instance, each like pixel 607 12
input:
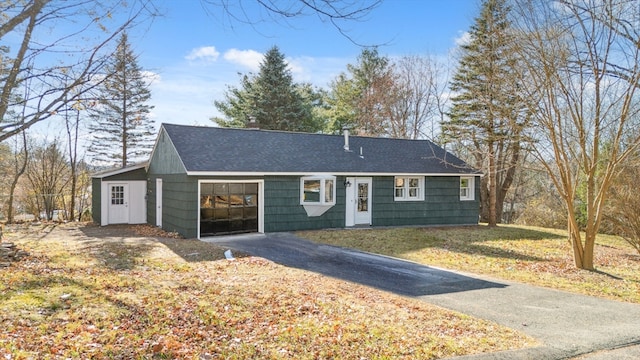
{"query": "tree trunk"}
pixel 582 253
pixel 14 183
pixel 587 262
pixel 510 172
pixel 484 199
pixel 493 188
pixel 73 162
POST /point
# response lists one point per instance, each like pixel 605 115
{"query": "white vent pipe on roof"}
pixel 346 139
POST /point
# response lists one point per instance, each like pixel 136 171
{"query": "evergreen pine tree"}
pixel 487 115
pixel 359 100
pixel 270 98
pixel 122 130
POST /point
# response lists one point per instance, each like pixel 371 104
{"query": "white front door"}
pixel 118 203
pixel 363 201
pixel 358 202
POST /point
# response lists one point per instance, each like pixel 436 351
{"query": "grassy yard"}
pixel 526 254
pixel 83 293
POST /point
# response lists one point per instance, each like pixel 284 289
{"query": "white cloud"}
pixel 297 66
pixel 463 39
pixel 247 58
pixel 151 77
pixel 207 54
pixel 186 93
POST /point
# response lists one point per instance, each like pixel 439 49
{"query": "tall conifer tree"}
pixel 359 100
pixel 487 116
pixel 270 98
pixel 122 129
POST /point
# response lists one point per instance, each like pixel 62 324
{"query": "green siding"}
pixel 165 159
pixel 179 191
pixel 441 206
pixel 283 212
pixel 96 200
pixel 179 203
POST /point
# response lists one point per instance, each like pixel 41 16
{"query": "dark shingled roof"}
pixel 211 149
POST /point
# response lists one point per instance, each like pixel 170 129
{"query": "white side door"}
pixel 118 203
pixel 159 202
pixel 137 202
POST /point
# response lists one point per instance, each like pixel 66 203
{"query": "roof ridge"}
pixel 294 132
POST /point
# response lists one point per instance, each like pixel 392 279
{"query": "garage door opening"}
pixel 228 208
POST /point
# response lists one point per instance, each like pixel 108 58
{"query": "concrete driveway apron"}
pixel 568 325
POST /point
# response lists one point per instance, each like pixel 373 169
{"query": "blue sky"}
pixel 195 53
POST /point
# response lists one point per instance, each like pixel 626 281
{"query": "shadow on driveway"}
pixel 389 274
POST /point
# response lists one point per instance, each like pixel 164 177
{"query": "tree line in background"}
pixel 542 98
pixel 73 66
pixel 374 97
pixel 101 88
pixel 56 181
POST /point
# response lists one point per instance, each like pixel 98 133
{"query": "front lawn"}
pixel 526 254
pixel 90 292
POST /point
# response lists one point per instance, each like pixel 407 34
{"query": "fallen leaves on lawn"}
pixel 154 231
pixel 65 301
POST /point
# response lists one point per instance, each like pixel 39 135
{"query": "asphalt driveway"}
pixel 568 325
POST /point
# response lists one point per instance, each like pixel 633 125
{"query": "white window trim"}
pixel 471 190
pixel 317 208
pixel 421 189
pixel 323 181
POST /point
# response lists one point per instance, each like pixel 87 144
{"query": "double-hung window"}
pixel 410 188
pixel 467 188
pixel 318 190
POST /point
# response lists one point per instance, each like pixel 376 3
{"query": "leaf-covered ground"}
pixel 91 292
pixel 527 254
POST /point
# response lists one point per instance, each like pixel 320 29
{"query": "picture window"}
pixel 317 190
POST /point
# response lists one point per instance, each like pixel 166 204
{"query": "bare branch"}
pixel 39 63
pixel 336 12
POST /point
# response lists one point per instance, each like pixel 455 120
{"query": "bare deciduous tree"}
pixel 582 60
pixel 418 92
pixel 48 174
pixel 623 210
pixel 55 35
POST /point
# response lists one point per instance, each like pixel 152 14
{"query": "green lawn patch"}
pixel 526 254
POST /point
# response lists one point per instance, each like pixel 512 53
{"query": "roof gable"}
pixel 119 171
pixel 164 157
pixel 222 150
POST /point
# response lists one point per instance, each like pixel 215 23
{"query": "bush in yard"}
pixel 623 210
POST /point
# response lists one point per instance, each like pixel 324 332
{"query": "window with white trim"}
pixel 410 188
pixel 467 188
pixel 318 190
